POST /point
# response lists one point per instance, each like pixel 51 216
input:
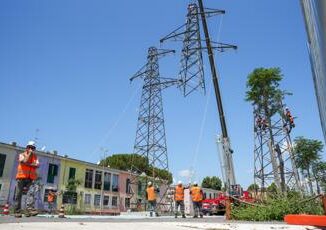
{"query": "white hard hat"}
pixel 287 108
pixel 179 182
pixel 149 183
pixel 31 143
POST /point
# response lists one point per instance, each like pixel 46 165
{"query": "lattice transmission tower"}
pixel 150 142
pixel 273 151
pixel 192 71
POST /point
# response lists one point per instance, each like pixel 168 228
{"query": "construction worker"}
pixel 179 199
pixel 264 124
pixel 51 199
pixel 259 121
pixel 289 119
pixel 197 197
pixel 26 175
pixel 151 198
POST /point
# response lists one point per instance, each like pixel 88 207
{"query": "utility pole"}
pixel 229 173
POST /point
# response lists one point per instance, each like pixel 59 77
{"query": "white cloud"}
pixel 186 173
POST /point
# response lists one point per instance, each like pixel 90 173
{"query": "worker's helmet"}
pixel 179 182
pixel 286 108
pixel 149 183
pixel 195 183
pixel 31 144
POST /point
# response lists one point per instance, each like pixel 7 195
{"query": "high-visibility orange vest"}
pixel 25 171
pixel 196 194
pixel 51 197
pixel 179 193
pixel 151 196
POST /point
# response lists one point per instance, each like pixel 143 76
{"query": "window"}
pixel 139 188
pixel 2 163
pixel 210 196
pixel 128 186
pixel 98 180
pixel 88 198
pixel 0 186
pixel 114 201
pixel 89 178
pixel 106 201
pixel 69 198
pixel 127 202
pixel 53 171
pixel 115 183
pixel 107 181
pixel 72 173
pixel 97 200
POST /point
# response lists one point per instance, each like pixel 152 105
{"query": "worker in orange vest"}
pixel 197 197
pixel 179 196
pixel 289 120
pixel 51 199
pixel 151 197
pixel 26 175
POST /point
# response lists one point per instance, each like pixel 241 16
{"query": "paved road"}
pixel 136 223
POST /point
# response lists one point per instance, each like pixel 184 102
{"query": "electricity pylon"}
pixel 150 140
pixel 273 151
pixel 192 73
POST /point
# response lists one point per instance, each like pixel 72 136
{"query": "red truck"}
pixel 217 206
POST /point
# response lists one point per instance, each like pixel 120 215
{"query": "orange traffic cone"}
pixel 6 209
pixel 62 212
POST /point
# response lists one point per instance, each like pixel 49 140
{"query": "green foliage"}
pixel 72 184
pixel 272 190
pixel 137 162
pixel 307 152
pixel 71 209
pixel 307 157
pixel 253 187
pixel 276 208
pixel 212 182
pixel 263 89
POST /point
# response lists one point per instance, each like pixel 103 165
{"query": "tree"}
pixel 212 182
pixel 264 93
pixel 319 173
pixel 135 163
pixel 272 189
pixel 253 187
pixel 263 89
pixel 72 184
pixel 307 153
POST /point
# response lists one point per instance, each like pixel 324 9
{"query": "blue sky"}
pixel 65 65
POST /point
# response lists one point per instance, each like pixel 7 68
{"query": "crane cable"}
pixel 201 132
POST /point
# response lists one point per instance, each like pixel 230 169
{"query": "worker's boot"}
pixel 31 212
pixel 27 214
pixel 151 214
pixel 183 216
pixel 18 214
pixel 156 214
pixel 201 215
pixel 195 216
pixel 176 216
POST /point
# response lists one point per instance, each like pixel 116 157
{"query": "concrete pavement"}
pixel 127 223
pixel 147 226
